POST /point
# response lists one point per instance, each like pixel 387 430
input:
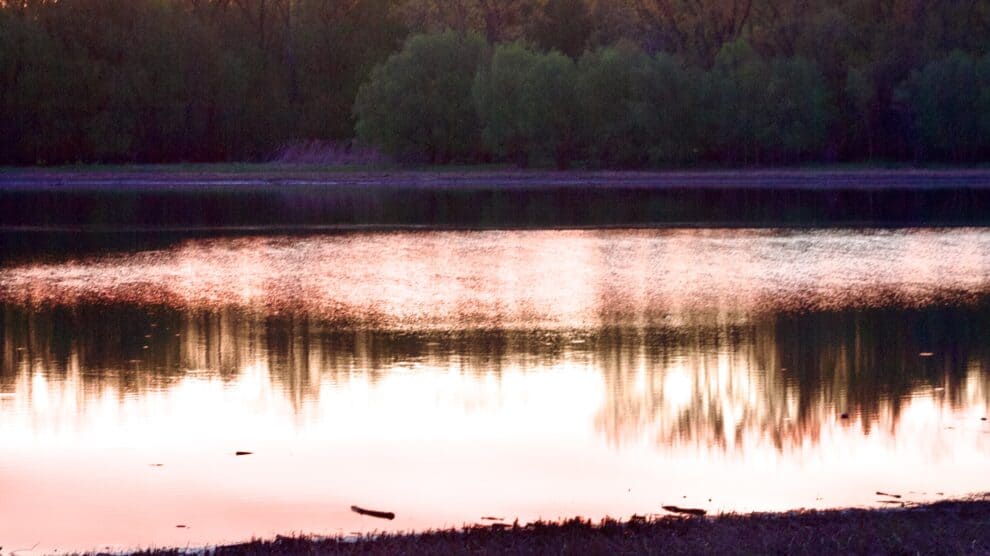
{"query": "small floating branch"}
pixel 686 511
pixel 373 513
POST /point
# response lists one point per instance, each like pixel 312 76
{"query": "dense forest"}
pixel 597 83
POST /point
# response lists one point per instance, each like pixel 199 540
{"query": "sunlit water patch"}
pixel 448 377
pixel 542 279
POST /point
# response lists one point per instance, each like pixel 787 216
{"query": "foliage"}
pixel 950 103
pixel 503 98
pixel 418 104
pixel 527 106
pixel 644 82
pixel 563 25
pixel 776 109
pixel 182 80
pixel 618 114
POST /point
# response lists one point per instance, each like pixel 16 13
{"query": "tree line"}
pixel 604 83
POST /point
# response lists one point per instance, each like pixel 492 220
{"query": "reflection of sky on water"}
pixel 532 280
pixel 603 373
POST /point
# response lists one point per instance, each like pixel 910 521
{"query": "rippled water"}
pixel 452 376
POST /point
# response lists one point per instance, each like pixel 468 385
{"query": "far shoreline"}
pixel 286 197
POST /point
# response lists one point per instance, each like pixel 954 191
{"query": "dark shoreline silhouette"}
pixel 67 202
pixel 951 526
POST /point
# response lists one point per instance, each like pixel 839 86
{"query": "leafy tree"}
pixel 37 81
pixel 696 29
pixel 680 102
pixel 619 115
pixel 564 26
pixel 496 20
pixel 800 109
pixel 778 109
pixel 556 108
pixel 950 103
pixel 526 101
pixel 503 94
pixel 418 105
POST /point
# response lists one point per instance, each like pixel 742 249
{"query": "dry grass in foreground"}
pixel 957 527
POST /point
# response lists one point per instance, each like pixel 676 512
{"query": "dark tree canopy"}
pixel 641 82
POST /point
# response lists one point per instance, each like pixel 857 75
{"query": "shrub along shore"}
pixel 957 527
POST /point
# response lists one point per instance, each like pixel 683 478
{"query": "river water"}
pixel 451 377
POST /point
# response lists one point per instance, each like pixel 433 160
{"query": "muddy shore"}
pixel 956 527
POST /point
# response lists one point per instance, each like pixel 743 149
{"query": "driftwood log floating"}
pixel 686 511
pixel 373 513
pixel 243 453
pixel 888 494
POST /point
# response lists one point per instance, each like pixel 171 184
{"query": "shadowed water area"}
pixel 452 376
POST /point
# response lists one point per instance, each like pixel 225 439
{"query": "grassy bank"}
pixel 957 527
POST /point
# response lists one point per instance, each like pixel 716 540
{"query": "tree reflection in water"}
pixel 779 378
pixel 531 374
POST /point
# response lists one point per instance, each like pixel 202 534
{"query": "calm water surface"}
pixel 449 377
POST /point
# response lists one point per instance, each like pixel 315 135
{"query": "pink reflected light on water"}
pixel 515 374
pixel 439 447
pixel 539 279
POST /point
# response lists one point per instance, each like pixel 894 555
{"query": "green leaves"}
pixel 949 102
pixel 417 105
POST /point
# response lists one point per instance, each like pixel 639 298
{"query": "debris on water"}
pixel 490 518
pixel 844 416
pixel 983 419
pixel 157 465
pixel 891 502
pixel 940 493
pixel 373 513
pixel 243 453
pixel 180 527
pixel 686 511
pixel 926 354
pixel 888 494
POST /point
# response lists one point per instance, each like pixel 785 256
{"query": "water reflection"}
pixel 781 378
pixel 531 280
pixel 529 374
